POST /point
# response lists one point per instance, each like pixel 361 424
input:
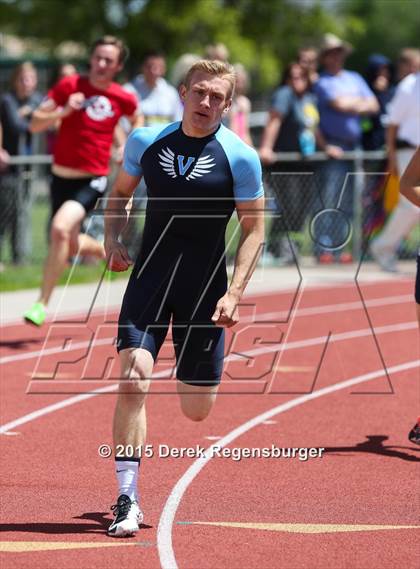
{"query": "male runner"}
pixel 410 188
pixel 89 107
pixel 197 173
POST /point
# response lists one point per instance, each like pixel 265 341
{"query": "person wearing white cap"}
pixel 403 137
pixel 343 98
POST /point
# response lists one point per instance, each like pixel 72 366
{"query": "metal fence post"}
pixel 359 183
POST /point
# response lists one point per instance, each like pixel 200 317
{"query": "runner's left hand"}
pixel 118 258
pixel 226 313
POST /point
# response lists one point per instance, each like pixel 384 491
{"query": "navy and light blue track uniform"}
pixel 180 272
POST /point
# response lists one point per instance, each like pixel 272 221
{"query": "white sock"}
pixel 127 472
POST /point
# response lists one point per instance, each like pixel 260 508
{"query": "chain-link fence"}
pixel 317 206
pixel 329 208
pixel 24 210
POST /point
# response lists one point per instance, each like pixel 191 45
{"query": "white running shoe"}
pixel 128 516
pixel 387 261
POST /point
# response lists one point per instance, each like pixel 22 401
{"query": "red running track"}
pixel 354 507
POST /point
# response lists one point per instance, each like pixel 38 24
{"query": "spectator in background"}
pixel 308 59
pixel 4 162
pixel 408 62
pixel 181 68
pixel 238 116
pixel 379 77
pixel 292 126
pixel 343 98
pixel 380 190
pixel 160 102
pixel 65 69
pixel 217 52
pixel 4 155
pixel 16 108
pixel 403 137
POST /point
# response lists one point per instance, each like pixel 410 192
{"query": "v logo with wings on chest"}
pixel 202 166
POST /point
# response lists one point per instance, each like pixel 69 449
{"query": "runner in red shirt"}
pixel 88 107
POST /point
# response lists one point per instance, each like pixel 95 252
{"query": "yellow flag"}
pixel 391 193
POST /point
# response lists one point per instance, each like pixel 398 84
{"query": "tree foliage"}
pixel 380 26
pixel 263 34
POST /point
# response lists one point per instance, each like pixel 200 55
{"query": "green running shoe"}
pixel 36 314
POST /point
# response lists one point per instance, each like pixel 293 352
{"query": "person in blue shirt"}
pixel 343 98
pixel 197 173
pixel 292 126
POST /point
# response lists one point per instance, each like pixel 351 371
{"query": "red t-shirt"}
pixel 85 137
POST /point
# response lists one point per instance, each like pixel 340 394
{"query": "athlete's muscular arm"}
pixel 48 113
pixel 251 219
pixel 410 180
pixel 116 215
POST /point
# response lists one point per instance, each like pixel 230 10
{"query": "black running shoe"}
pixel 128 516
pixel 414 434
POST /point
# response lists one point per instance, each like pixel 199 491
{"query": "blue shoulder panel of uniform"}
pixel 139 140
pixel 244 164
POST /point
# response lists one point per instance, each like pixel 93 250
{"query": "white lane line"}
pixel 310 311
pixel 71 347
pixel 320 340
pixel 53 407
pixel 164 532
pixel 92 312
pixel 342 307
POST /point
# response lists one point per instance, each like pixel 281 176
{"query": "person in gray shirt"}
pixel 16 107
pixel 160 101
pixel 292 126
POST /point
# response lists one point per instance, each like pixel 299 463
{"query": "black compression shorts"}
pixel 174 284
pixel 85 191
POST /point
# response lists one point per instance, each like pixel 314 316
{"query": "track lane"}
pixel 19 373
pixel 70 424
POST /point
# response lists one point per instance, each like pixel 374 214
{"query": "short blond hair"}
pixel 213 67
